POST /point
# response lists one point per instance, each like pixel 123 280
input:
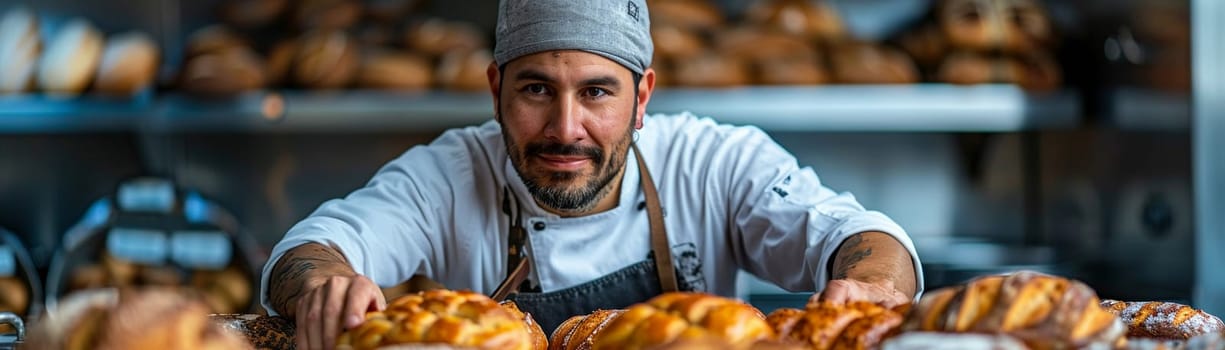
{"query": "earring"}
pixel 635 136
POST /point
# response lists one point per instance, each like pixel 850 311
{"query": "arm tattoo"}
pixel 849 255
pixel 287 281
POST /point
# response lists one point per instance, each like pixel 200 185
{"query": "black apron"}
pixel 618 290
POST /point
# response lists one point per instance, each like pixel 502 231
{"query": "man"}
pixel 571 183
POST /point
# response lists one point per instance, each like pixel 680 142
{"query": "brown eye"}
pixel 535 89
pixel 595 92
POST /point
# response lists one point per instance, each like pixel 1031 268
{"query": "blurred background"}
pixel 174 142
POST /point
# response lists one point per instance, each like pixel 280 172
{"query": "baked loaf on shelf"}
pixel 1164 320
pixel 151 318
pixel 673 316
pixel 457 318
pixel 1044 311
pixel 824 325
pixel 263 332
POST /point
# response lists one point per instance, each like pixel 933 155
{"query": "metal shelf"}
pixel 1137 109
pixel 903 108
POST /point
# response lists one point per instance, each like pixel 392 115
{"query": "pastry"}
pixel 676 43
pixel 711 70
pixel 14 295
pixel 539 341
pixel 223 73
pixel 67 66
pixel 865 63
pixel 212 39
pixel 823 325
pixel 697 15
pixel 578 332
pixel 129 65
pixel 1015 26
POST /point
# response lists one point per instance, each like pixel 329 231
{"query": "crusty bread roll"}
pixel 129 64
pixel 326 14
pixel 464 71
pixel 326 60
pixel 72 56
pixel 824 325
pixel 755 45
pixel 14 295
pixel 223 73
pixel 131 319
pixel 1041 310
pixel 699 15
pixel 460 318
pixel 1036 72
pixel 676 43
pixel 816 20
pixel 20 47
pixel 1014 26
pixel 866 63
pixel 711 70
pixel 791 71
pixel 252 13
pixel 1165 320
pixel 213 39
pixel 436 37
pixel 395 70
pixel 679 315
pixel 578 332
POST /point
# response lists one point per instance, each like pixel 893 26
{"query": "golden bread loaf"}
pixel 464 70
pixel 20 48
pixel 155 318
pixel 699 15
pixel 1035 72
pixel 678 315
pixel 129 64
pixel 326 60
pixel 436 37
pixel 1044 311
pixel 867 63
pixel 815 20
pixel 67 66
pixel 825 325
pixel 263 332
pixel 458 318
pixel 1165 320
pixel 578 332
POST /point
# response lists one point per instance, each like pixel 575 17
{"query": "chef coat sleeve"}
pixel 787 226
pixel 385 228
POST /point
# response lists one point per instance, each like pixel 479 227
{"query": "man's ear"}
pixel 494 87
pixel 645 87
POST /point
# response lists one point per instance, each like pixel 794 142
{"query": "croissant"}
pixel 824 325
pixel 457 318
pixel 1041 310
pixel 1163 320
pixel 673 316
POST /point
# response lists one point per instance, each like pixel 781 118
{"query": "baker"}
pixel 573 199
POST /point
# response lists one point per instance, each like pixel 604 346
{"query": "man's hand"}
pixel 842 291
pixel 314 285
pixel 339 303
pixel 870 266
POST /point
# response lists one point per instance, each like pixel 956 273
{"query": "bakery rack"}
pixel 920 108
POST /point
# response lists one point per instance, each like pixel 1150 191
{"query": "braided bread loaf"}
pixel 1163 320
pixel 461 318
pixel 578 332
pixel 539 341
pixel 824 325
pixel 673 316
pixel 1041 310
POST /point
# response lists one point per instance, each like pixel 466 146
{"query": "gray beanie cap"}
pixel 619 30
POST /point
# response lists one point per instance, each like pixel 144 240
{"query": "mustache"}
pixel 553 148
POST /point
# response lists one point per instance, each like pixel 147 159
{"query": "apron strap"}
pixel 659 233
pixel 519 266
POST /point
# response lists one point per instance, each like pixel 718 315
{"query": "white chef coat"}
pixel 732 197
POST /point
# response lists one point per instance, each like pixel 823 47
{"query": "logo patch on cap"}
pixel 632 10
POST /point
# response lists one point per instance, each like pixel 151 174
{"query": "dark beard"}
pixel 560 197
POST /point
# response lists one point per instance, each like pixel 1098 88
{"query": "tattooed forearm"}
pixel 294 272
pixel 874 256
